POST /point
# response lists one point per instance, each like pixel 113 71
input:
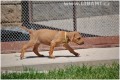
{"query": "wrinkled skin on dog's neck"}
pixel 75 37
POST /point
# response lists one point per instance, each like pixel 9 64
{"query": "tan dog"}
pixel 52 38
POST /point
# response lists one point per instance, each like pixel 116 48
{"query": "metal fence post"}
pixel 74 17
pixel 25 12
pixel 30 11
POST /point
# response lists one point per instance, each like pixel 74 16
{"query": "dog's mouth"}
pixel 80 43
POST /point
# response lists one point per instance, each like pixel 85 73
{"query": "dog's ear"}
pixel 72 37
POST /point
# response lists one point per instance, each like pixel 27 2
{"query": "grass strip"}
pixel 72 72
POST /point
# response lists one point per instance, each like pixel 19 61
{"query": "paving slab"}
pixel 63 58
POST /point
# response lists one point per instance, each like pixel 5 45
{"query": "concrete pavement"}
pixel 92 56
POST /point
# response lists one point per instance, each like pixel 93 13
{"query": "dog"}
pixel 52 38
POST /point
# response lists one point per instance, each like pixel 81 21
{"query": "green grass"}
pixel 72 72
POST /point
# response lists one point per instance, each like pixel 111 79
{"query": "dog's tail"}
pixel 26 29
pixel 23 27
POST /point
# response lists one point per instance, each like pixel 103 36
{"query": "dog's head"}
pixel 77 38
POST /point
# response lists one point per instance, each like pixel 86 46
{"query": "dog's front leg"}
pixel 71 50
pixel 52 46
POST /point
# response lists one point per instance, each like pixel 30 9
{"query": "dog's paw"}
pixel 52 57
pixel 41 55
pixel 77 55
pixel 21 57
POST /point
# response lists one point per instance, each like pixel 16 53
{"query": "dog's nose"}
pixel 82 43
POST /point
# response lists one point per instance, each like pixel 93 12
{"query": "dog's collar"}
pixel 66 39
pixel 65 35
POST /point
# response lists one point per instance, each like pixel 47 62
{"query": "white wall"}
pixel 98 25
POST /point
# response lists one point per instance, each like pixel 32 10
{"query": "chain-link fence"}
pixel 90 18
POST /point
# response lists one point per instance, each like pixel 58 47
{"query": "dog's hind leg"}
pixel 35 50
pixel 25 47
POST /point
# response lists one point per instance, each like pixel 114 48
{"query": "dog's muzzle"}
pixel 81 43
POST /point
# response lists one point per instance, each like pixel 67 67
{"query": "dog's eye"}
pixel 79 38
